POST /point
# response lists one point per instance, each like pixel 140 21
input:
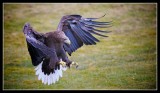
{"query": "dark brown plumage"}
pixel 48 50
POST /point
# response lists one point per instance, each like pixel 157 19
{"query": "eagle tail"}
pixel 51 77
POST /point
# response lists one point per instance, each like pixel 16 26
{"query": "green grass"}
pixel 124 60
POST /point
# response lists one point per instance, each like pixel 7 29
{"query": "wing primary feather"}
pixel 88 29
pixel 94 25
pixel 74 39
pixel 100 23
pixel 96 33
pixel 100 30
pixel 87 32
pixel 74 28
pixel 89 39
pixel 94 18
pixel 78 40
pixel 83 26
pixel 95 22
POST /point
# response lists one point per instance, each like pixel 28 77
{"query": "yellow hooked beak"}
pixel 67 41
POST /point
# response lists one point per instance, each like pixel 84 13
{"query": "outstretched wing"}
pixel 36 47
pixel 79 30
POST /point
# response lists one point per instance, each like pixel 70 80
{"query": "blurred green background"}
pixel 124 60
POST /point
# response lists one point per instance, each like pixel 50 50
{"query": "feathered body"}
pixel 48 50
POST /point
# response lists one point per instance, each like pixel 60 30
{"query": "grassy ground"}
pixel 124 60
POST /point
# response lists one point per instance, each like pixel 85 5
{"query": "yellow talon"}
pixel 74 63
pixel 62 63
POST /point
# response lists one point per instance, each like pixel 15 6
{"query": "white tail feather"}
pixel 39 66
pixel 38 71
pixel 60 72
pixel 52 77
pixel 45 79
pixel 49 80
pixel 56 75
pixel 40 76
pixel 43 76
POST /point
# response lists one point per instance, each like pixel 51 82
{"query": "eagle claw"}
pixel 74 63
pixel 62 63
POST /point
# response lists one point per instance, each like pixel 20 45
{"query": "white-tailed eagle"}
pixel 49 50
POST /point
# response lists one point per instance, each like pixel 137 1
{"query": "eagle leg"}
pixel 74 63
